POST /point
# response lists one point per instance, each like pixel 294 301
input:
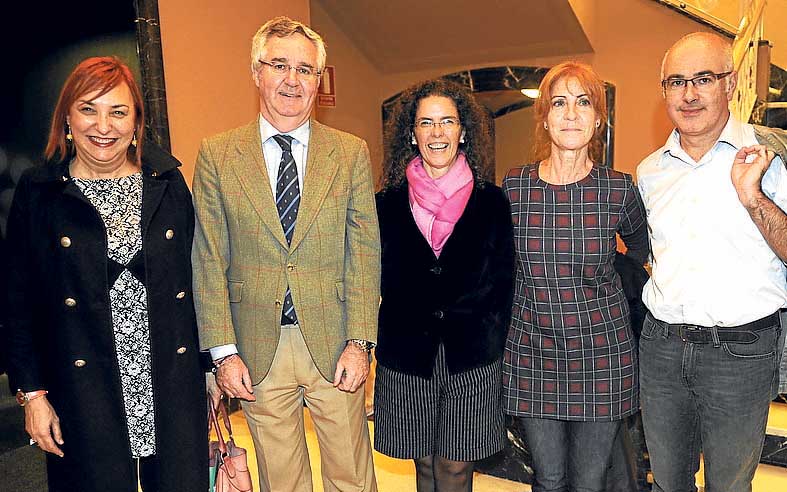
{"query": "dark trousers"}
pixel 149 473
pixel 711 397
pixel 569 455
pixel 146 470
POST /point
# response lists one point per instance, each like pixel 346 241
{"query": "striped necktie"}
pixel 288 199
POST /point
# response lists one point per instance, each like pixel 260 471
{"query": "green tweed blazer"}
pixel 242 263
pixel 776 140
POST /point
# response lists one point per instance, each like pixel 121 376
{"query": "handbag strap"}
pixel 215 423
pixel 225 416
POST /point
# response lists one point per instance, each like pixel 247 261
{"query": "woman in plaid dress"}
pixel 570 366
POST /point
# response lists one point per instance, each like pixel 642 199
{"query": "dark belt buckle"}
pixel 693 334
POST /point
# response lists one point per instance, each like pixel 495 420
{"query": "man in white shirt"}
pixel 286 264
pixel 715 201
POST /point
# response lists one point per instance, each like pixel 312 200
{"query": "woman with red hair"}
pixel 570 365
pixel 102 335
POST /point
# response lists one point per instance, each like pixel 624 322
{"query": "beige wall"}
pixel 209 89
pixel 628 50
pixel 514 133
pixel 776 32
pixel 731 12
pixel 357 98
pixel 206 47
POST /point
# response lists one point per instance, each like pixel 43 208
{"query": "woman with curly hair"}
pixel 447 283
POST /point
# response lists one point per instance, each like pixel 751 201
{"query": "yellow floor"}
pixel 767 478
pixel 777 420
pixel 399 475
pixel 392 475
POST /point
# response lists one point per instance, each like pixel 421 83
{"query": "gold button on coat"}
pixel 180 295
pixel 70 302
pixel 181 350
pixel 290 267
pixel 65 241
pixel 278 302
pixel 79 363
pixel 169 234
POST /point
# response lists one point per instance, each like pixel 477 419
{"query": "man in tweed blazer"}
pixel 287 269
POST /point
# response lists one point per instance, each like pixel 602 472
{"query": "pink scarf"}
pixel 438 203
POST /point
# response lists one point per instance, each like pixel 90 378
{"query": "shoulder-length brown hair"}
pixel 100 74
pixel 399 149
pixel 594 88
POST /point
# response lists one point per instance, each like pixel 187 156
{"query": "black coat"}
pixel 633 278
pixel 47 337
pixel 463 299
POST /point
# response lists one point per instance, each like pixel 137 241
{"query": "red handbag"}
pixel 229 469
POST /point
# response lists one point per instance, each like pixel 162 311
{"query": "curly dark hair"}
pixel 399 150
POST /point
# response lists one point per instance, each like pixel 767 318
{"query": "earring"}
pixel 69 136
pixel 545 126
pixel 462 138
pixel 414 141
pixel 134 139
pixel 598 123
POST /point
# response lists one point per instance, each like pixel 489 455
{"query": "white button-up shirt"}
pixel 710 264
pixel 272 152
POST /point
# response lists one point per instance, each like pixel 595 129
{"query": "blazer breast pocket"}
pixel 235 290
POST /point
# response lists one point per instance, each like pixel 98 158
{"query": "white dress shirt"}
pixel 272 153
pixel 710 264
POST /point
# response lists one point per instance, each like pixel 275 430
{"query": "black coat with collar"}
pixel 70 351
pixel 462 299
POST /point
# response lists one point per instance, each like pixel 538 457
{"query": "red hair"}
pixel 593 87
pixel 100 74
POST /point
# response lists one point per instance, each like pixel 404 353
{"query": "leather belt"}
pixel 745 333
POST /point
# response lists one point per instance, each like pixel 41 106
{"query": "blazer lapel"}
pixel 400 198
pixel 152 193
pixel 321 169
pixel 253 176
pixel 465 230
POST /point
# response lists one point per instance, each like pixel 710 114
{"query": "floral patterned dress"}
pixel 119 203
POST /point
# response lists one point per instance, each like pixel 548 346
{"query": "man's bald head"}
pixel 699 112
pixel 701 42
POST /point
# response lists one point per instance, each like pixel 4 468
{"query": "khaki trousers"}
pixel 276 422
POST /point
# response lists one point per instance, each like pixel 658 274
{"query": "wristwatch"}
pixel 24 398
pixel 366 345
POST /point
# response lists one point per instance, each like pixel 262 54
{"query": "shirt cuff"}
pixel 221 351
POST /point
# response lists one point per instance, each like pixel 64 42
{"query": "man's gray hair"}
pixel 722 44
pixel 283 27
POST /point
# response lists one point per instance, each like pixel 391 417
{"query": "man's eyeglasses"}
pixel 447 124
pixel 284 68
pixel 700 82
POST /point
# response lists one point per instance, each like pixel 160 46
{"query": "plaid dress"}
pixel 570 353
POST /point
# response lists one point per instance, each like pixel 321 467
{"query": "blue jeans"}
pixel 710 397
pixel 569 455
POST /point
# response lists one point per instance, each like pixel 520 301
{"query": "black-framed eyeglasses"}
pixel 281 68
pixel 447 124
pixel 700 82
